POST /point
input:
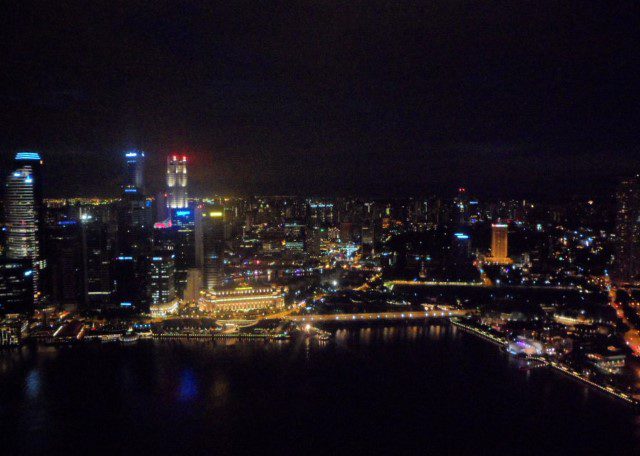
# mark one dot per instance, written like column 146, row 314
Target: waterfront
column 381, row 390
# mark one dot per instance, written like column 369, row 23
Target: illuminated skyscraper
column 499, row 244
column 134, row 177
column 177, row 182
column 24, row 213
column 161, row 283
column 210, row 244
column 627, row 245
column 162, row 266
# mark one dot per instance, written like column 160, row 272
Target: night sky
column 327, row 98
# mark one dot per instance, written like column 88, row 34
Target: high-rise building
column 16, row 286
column 162, row 266
column 98, row 247
column 161, row 278
column 499, row 244
column 130, row 288
column 185, row 251
column 177, row 182
column 210, row 244
column 65, row 263
column 627, row 246
column 24, row 214
column 134, row 176
column 194, row 285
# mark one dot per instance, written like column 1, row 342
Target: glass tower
column 24, row 213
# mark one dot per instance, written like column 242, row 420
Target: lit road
column 372, row 316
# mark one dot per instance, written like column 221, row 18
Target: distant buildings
column 627, row 240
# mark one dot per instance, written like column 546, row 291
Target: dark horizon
column 535, row 100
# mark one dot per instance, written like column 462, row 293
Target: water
column 378, row 390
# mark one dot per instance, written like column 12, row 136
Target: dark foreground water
column 405, row 390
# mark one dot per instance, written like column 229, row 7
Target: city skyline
column 363, row 227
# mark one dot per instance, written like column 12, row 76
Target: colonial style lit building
column 242, row 299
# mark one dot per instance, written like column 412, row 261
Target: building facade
column 627, row 241
column 177, row 182
column 24, row 214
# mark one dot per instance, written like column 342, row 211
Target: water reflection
column 188, row 387
column 33, row 384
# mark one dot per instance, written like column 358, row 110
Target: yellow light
column 215, row 214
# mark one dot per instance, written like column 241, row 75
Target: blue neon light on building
column 28, row 156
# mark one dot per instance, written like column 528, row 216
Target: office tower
column 177, row 182
column 499, row 244
column 461, row 206
column 64, row 258
column 320, row 213
column 210, row 244
column 162, row 278
column 98, row 248
column 16, row 286
column 161, row 208
column 135, row 212
column 461, row 246
column 134, row 174
column 130, row 287
column 194, row 285
column 627, row 245
column 24, row 214
column 294, row 237
column 162, row 265
column 183, row 221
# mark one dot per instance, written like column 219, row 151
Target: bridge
column 377, row 316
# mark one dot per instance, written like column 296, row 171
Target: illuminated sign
column 215, row 214
column 28, row 156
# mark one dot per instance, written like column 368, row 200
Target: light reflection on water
column 187, row 389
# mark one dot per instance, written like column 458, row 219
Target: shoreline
column 558, row 367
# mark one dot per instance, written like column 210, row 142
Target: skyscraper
column 177, row 182
column 210, row 244
column 16, row 286
column 185, row 251
column 65, row 264
column 98, row 246
column 499, row 244
column 134, row 177
column 24, row 213
column 627, row 245
column 162, row 266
